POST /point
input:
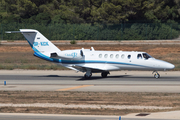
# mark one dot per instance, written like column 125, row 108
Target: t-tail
column 42, row 47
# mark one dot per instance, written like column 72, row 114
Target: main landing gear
column 156, row 75
column 89, row 74
column 104, row 74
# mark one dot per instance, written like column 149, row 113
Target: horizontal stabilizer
column 20, row 32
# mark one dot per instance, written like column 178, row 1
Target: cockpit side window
column 146, row 56
column 139, row 56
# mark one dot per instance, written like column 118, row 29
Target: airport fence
column 124, row 31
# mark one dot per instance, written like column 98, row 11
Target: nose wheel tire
column 156, row 75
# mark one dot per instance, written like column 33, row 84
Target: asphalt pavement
column 119, row 81
column 22, row 116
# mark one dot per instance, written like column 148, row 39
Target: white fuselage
column 115, row 60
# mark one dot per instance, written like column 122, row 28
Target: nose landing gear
column 156, row 75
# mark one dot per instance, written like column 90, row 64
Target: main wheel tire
column 87, row 77
column 104, row 74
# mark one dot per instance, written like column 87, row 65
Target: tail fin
column 41, row 45
column 38, row 42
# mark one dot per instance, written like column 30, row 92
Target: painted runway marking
column 71, row 88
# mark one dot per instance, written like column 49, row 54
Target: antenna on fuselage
column 92, row 49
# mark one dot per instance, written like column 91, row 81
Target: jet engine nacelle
column 68, row 55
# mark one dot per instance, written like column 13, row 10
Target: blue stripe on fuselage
column 40, row 55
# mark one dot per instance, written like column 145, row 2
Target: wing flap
column 84, row 69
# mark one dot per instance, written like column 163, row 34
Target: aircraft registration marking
column 71, row 88
column 41, row 44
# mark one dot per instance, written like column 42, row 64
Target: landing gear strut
column 104, row 74
column 156, row 75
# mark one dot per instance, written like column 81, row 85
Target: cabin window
column 117, row 56
column 106, row 55
column 100, row 55
column 129, row 57
column 122, row 56
column 111, row 56
column 139, row 56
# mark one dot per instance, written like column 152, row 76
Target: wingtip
column 12, row 31
column 8, row 32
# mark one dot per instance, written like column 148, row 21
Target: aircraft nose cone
column 170, row 66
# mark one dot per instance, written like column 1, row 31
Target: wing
column 95, row 68
column 84, row 69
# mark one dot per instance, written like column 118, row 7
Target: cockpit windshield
column 146, row 56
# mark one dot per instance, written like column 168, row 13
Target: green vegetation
column 92, row 19
column 73, row 42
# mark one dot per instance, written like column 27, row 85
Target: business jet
column 92, row 61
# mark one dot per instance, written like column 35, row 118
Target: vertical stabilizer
column 38, row 42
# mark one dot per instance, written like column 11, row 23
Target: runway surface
column 120, row 81
column 19, row 116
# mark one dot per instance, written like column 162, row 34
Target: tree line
column 95, row 19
